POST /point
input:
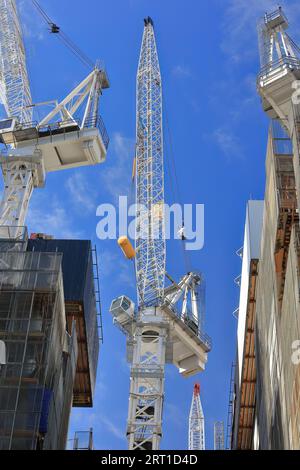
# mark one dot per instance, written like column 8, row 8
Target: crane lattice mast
column 196, row 422
column 14, row 84
column 147, row 372
column 150, row 241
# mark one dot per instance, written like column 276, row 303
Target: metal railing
column 22, row 131
column 275, row 14
column 190, row 323
column 13, row 233
column 285, row 62
column 99, row 124
column 97, row 293
column 83, row 440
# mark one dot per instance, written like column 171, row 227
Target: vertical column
column 147, row 387
column 18, row 187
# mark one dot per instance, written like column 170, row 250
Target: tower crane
column 196, row 422
column 157, row 331
column 278, row 79
column 72, row 134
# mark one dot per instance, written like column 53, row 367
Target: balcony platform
column 63, row 145
column 274, row 84
column 189, row 348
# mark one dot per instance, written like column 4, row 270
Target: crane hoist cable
column 296, row 47
column 55, row 29
column 175, row 187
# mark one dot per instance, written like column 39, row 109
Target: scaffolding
column 39, row 353
column 244, row 405
column 82, row 304
column 282, row 151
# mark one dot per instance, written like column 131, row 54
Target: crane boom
column 150, row 241
column 14, row 84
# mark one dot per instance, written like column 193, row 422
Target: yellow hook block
column 126, row 247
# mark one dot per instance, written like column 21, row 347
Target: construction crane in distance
column 219, row 436
column 196, row 422
column 166, row 326
column 72, row 134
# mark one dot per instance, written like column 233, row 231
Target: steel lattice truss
column 151, row 331
column 219, row 440
column 19, row 183
column 150, row 242
column 275, row 46
column 14, row 85
column 144, row 427
column 196, row 422
column 149, row 337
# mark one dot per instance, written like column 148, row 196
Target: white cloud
column 175, row 415
column 52, row 218
column 181, row 71
column 83, row 419
column 228, row 143
column 33, row 26
column 116, row 175
column 113, row 263
column 240, row 25
column 82, row 193
column 111, row 427
column 235, row 95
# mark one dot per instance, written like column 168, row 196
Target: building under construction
column 48, row 324
column 267, row 398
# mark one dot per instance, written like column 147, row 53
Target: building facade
column 82, row 305
column 49, row 355
column 245, row 369
column 267, row 385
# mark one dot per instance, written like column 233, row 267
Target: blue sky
column 209, row 59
